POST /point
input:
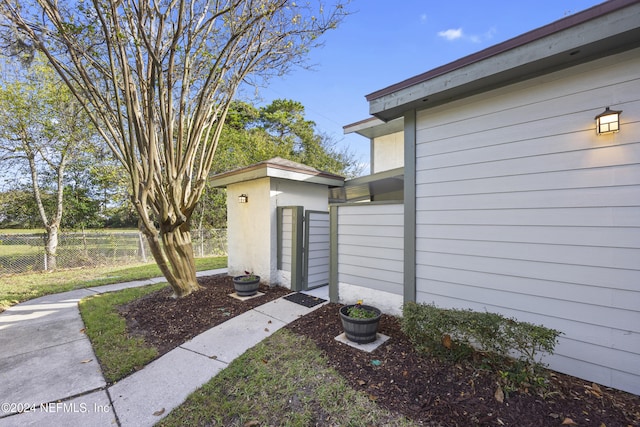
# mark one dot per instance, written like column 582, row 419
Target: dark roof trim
column 554, row 27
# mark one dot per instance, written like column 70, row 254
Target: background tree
column 254, row 134
column 18, row 209
column 157, row 79
column 42, row 130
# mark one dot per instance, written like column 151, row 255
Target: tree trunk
column 51, row 247
column 175, row 258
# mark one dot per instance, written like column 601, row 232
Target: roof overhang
column 374, row 127
column 606, row 29
column 277, row 168
column 367, row 187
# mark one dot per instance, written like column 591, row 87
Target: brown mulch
column 165, row 322
column 395, row 376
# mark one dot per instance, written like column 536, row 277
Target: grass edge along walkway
column 18, row 288
column 284, row 380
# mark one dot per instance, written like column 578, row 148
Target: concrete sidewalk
column 48, row 370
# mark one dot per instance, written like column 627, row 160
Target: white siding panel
column 574, row 198
column 368, row 242
column 497, row 300
column 575, row 292
column 589, row 217
column 578, row 86
column 380, row 230
column 368, row 209
column 371, row 283
column 371, row 246
column 602, row 356
column 375, row 274
column 619, row 258
column 488, row 141
column 557, row 180
column 287, row 238
column 317, row 268
column 373, row 253
column 621, row 237
column 595, row 157
column 384, row 264
column 585, row 275
column 594, row 334
column 522, row 209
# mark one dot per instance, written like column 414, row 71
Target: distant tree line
column 93, row 190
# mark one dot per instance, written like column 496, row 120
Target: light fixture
column 243, row 198
column 608, row 121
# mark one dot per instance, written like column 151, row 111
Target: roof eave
column 271, row 169
column 374, row 127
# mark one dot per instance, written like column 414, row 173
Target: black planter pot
column 246, row 287
column 361, row 331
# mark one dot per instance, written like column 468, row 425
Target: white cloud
column 455, row 34
column 451, row 34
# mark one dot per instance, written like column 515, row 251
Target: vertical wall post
column 297, row 248
column 410, row 206
column 333, row 254
column 279, row 212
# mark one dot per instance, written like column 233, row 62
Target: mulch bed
column 395, row 376
column 166, row 322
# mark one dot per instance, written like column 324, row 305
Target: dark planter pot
column 361, row 331
column 245, row 287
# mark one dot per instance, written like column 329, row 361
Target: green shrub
column 509, row 347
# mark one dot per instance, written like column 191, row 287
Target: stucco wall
column 388, row 152
column 252, row 226
column 249, row 230
column 522, row 209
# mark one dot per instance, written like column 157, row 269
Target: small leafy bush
column 510, row 347
column 359, row 311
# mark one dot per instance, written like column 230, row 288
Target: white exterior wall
column 249, row 232
column 522, row 209
column 388, row 152
column 292, row 193
column 252, row 226
column 371, row 255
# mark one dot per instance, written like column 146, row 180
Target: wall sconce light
column 608, row 121
column 243, row 198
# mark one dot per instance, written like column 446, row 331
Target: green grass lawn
column 286, row 381
column 119, row 354
column 89, row 230
column 22, row 287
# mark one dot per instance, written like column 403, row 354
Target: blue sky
column 384, row 42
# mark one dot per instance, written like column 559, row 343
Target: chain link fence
column 20, row 253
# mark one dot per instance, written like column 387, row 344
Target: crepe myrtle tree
column 157, row 78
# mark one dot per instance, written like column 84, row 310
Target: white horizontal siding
column 371, row 246
column 556, row 272
column 317, row 269
column 287, row 239
column 522, row 209
column 589, row 217
column 621, row 237
column 615, row 258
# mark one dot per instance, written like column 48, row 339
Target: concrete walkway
column 49, row 373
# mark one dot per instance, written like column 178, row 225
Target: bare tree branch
column 157, row 78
